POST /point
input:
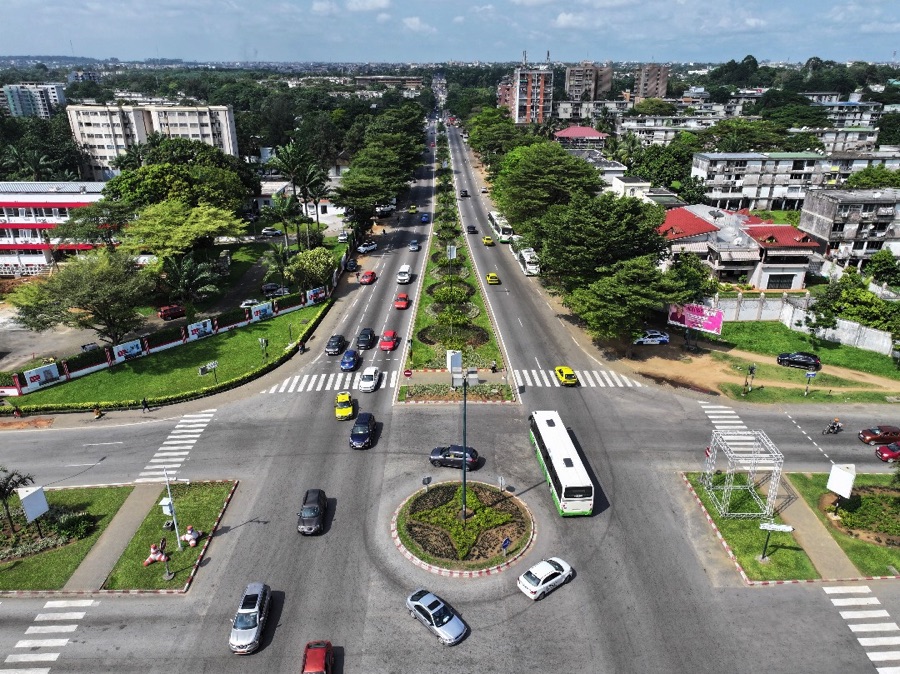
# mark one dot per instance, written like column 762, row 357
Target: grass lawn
column 175, row 370
column 197, row 504
column 771, row 338
column 778, row 373
column 787, row 560
column 50, row 570
column 869, row 558
column 776, row 394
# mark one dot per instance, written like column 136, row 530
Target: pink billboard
column 696, row 317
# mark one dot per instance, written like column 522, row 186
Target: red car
column 318, row 658
column 879, row 435
column 367, row 278
column 402, row 301
column 389, row 341
column 888, row 453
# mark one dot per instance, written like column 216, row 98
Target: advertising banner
column 128, row 350
column 696, row 317
column 200, row 330
column 261, row 312
column 41, row 376
column 317, row 295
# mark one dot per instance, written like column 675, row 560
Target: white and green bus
column 502, row 231
column 570, row 484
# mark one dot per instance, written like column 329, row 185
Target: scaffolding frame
column 750, row 452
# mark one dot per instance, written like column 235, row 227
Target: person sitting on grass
column 192, row 536
column 156, row 555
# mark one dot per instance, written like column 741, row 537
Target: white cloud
column 459, row 19
column 880, row 27
column 416, row 25
column 367, row 5
column 383, row 17
column 324, row 8
column 752, row 22
column 482, row 9
column 532, row 3
column 569, row 20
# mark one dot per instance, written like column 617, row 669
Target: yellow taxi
column 492, row 279
column 343, row 406
column 566, row 376
column 487, row 241
column 413, row 209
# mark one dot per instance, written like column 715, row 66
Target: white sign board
column 34, row 502
column 454, row 360
column 771, row 526
column 841, row 479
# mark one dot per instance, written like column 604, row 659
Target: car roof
column 542, row 569
column 370, row 370
column 312, row 495
column 342, row 395
column 884, row 428
column 315, row 656
column 363, row 417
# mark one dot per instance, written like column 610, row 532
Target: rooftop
column 779, row 236
column 681, row 223
column 580, row 132
column 51, row 188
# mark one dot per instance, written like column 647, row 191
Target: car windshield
column 531, row 579
column 309, row 511
column 368, row 377
column 578, row 492
column 555, row 565
column 442, row 616
column 343, row 404
column 360, row 429
column 246, row 621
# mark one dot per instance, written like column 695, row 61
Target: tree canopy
column 171, row 228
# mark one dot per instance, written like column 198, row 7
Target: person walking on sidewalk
column 144, row 406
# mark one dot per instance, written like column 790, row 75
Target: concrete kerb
column 767, row 583
column 452, row 573
column 114, row 593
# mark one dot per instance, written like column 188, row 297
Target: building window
column 780, row 282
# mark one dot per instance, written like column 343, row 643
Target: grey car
column 429, row 610
column 311, row 518
column 250, row 620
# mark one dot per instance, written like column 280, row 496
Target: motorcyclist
column 835, row 425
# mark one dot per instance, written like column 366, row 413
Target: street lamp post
column 467, row 380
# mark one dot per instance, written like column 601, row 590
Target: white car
column 271, row 231
column 368, row 382
column 367, row 247
column 543, row 577
column 343, row 237
column 246, row 304
column 414, row 245
column 653, row 337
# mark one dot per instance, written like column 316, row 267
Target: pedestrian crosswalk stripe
column 527, row 378
column 544, row 377
column 294, row 384
column 393, row 378
column 585, row 376
column 847, row 589
column 609, row 382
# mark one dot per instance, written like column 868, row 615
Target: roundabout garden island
column 431, row 527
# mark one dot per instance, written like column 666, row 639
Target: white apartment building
column 532, row 95
column 847, row 139
column 107, row 131
column 34, row 99
column 662, row 130
column 588, row 111
column 778, row 180
column 851, row 113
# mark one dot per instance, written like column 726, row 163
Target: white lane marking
column 606, row 377
column 32, row 657
column 100, row 444
column 882, row 656
column 273, row 389
column 860, row 615
column 393, row 378
column 874, row 627
column 166, row 452
column 527, row 378
column 294, row 383
column 847, row 589
column 857, row 601
column 180, row 442
column 41, row 643
column 616, row 377
column 284, row 385
column 544, row 377
column 50, row 629
column 148, row 473
column 587, row 377
column 517, row 378
column 626, row 380
column 879, row 641
column 600, row 381
column 328, row 385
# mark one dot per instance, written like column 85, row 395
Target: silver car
column 250, row 620
column 368, row 382
column 429, row 610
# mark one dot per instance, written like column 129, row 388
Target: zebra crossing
column 590, row 378
column 334, row 381
column 176, row 447
column 46, row 647
column 723, row 418
column 876, row 629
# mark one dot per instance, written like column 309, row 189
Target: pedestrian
column 144, row 406
column 357, row 277
column 493, row 366
column 17, row 413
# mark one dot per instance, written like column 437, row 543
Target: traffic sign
column 810, row 375
column 771, row 526
column 407, row 373
column 506, row 543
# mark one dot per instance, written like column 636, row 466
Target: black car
column 452, row 457
column 464, row 193
column 808, row 361
column 267, row 288
column 352, row 264
column 366, row 339
column 471, row 229
column 363, row 432
column 335, row 345
column 312, row 512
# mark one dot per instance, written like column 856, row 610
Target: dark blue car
column 349, row 361
column 425, row 217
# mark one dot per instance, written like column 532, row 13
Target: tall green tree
column 98, row 223
column 883, row 267
column 10, row 481
column 172, row 228
column 692, row 276
column 100, row 292
column 311, row 268
column 873, row 178
column 290, row 161
column 188, row 281
column 889, row 129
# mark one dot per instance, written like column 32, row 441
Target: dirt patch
column 25, row 424
column 872, row 503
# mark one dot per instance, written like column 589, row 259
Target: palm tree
column 309, row 179
column 276, row 261
column 283, row 211
column 10, row 480
column 134, row 157
column 289, row 160
column 30, row 164
column 189, row 281
column 317, row 194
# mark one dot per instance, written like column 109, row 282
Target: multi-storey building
column 662, row 130
column 83, row 76
column 778, row 180
column 587, row 80
column 34, row 99
column 29, row 211
column 505, row 94
column 581, row 137
column 851, row 113
column 853, row 224
column 107, row 131
column 588, row 111
column 650, row 81
column 851, row 138
column 822, row 96
column 532, row 95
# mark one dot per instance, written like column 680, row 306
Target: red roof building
column 581, row 136
column 681, row 223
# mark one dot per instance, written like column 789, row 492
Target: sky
column 427, row 31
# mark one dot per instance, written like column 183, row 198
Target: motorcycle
column 833, row 429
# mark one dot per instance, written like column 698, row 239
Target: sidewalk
column 94, row 569
column 813, row 536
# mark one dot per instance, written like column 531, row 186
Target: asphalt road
column 654, row 591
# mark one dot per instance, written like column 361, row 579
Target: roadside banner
column 41, row 376
column 200, row 330
column 697, row 317
column 128, row 350
column 317, row 295
column 260, row 312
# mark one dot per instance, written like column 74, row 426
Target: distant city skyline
column 422, row 32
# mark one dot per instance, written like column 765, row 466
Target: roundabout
column 428, row 529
